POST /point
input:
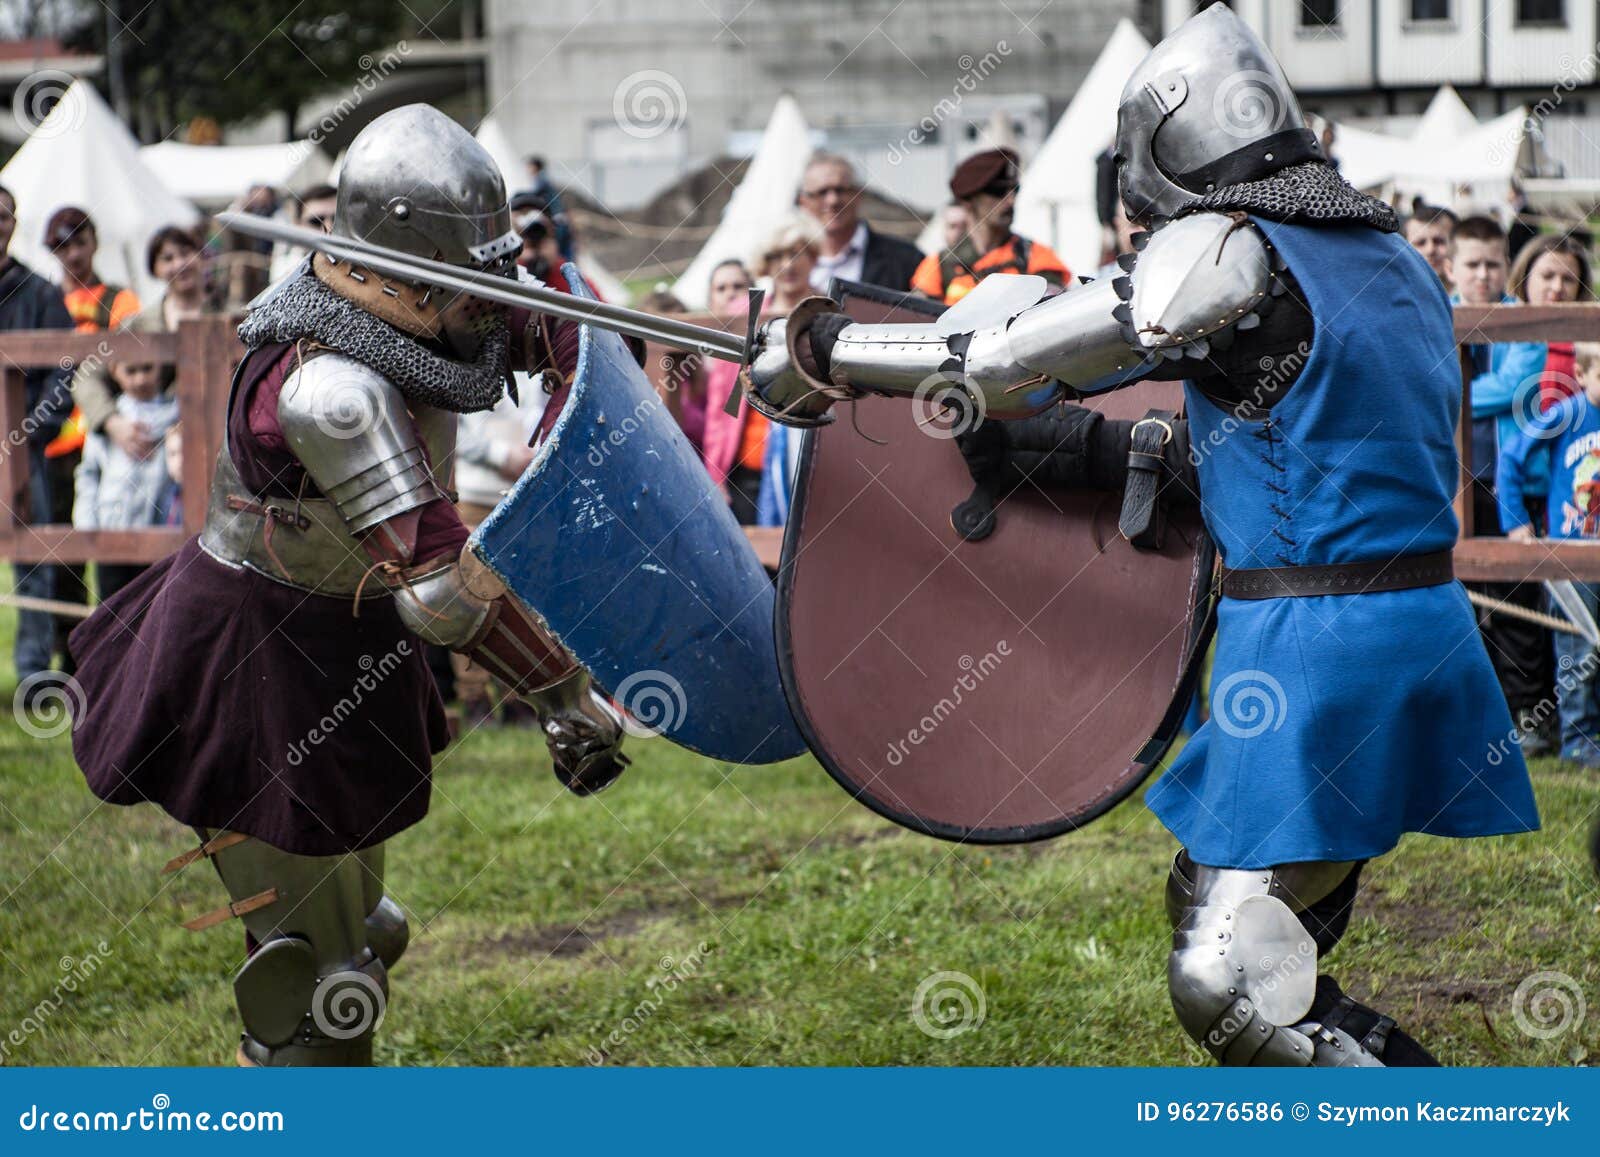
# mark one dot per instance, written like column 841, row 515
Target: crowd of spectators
column 104, row 443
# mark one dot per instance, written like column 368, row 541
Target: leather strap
column 1401, row 573
column 233, row 910
column 210, row 848
column 1142, row 522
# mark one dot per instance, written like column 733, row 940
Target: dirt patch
column 1415, row 918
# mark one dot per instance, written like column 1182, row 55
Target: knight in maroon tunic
column 266, row 683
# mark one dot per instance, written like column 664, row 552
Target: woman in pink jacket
column 734, row 444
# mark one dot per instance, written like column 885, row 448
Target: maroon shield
column 997, row 691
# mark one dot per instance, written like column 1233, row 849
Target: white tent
column 495, row 142
column 760, row 203
column 82, row 155
column 1447, row 155
column 214, row 175
column 1056, row 204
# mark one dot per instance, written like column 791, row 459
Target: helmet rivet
column 402, row 211
column 1269, row 156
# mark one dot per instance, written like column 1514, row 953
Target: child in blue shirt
column 1568, row 436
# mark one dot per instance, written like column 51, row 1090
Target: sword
column 728, row 347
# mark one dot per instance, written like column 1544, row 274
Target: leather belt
column 1351, row 578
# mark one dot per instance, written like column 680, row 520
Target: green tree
column 182, row 59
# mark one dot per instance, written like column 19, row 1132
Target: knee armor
column 1243, row 969
column 315, row 987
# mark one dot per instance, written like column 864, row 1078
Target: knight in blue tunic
column 1352, row 699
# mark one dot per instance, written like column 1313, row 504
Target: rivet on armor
column 1269, row 156
column 402, row 211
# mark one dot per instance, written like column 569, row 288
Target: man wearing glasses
column 830, row 193
column 986, row 184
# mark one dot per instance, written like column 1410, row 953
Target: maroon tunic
column 237, row 702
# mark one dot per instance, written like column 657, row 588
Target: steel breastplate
column 303, row 544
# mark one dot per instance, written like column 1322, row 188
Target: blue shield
column 618, row 539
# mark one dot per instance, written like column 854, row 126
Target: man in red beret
column 986, row 184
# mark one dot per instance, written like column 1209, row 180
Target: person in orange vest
column 986, row 184
column 93, row 305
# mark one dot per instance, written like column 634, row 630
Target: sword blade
column 1565, row 595
column 406, row 267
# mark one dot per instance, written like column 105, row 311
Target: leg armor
column 1243, row 969
column 388, row 933
column 315, row 985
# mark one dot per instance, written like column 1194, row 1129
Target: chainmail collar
column 303, row 307
column 1312, row 193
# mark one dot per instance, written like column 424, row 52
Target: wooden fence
column 203, row 353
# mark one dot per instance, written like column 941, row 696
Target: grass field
column 553, row 930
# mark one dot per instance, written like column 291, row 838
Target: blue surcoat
column 1339, row 722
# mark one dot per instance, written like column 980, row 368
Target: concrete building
column 1370, row 58
column 623, row 96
